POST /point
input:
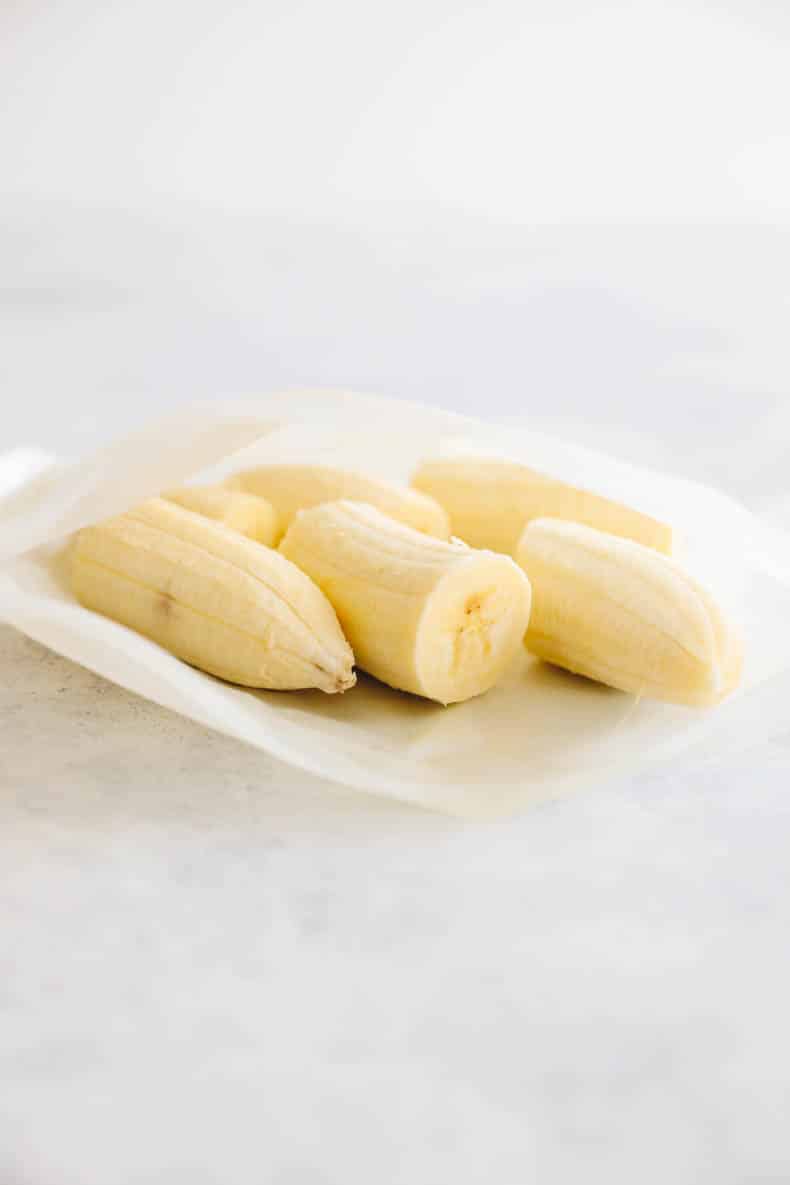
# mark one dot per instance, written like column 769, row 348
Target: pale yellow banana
column 490, row 502
column 213, row 598
column 251, row 516
column 624, row 615
column 297, row 487
column 423, row 615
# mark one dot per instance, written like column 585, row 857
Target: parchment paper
column 539, row 734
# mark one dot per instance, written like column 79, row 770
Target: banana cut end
column 423, row 615
column 472, row 627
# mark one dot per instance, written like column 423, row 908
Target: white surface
column 216, row 969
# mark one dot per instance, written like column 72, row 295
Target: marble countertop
column 218, row 969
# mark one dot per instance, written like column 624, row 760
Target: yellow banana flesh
column 430, row 617
column 213, row 598
column 298, row 487
column 490, row 502
column 622, row 614
column 245, row 513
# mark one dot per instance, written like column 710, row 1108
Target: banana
column 297, row 487
column 423, row 615
column 250, row 516
column 490, row 501
column 213, row 598
column 622, row 614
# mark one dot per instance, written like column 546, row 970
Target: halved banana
column 213, row 598
column 245, row 513
column 490, row 502
column 297, row 487
column 423, row 615
column 624, row 615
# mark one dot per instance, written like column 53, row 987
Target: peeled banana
column 423, row 615
column 490, row 502
column 213, row 598
column 245, row 513
column 624, row 615
column 297, row 487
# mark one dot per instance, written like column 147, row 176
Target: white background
column 512, row 110
column 216, row 969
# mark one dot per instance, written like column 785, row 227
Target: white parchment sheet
column 540, row 733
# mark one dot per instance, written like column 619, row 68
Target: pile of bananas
column 289, row 576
